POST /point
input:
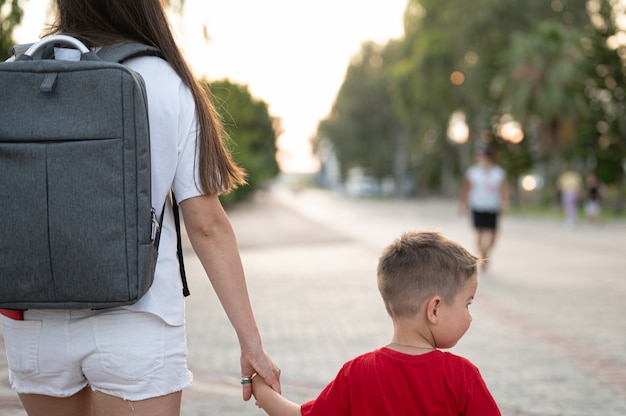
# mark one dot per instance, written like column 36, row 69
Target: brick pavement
column 549, row 332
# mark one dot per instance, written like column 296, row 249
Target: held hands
column 260, row 365
column 260, row 390
column 273, row 403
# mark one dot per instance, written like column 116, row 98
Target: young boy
column 427, row 283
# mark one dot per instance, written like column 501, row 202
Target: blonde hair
column 419, row 265
column 98, row 23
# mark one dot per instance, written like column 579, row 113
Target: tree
column 543, row 84
column 10, row 17
column 603, row 140
column 253, row 132
column 454, row 50
column 360, row 124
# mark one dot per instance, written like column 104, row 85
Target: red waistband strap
column 13, row 314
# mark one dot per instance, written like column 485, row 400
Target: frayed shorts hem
column 138, row 397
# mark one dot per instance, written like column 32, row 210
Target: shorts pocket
column 21, row 340
column 129, row 345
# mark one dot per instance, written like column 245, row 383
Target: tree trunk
column 400, row 163
column 619, row 206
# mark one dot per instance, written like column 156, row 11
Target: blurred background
column 393, row 98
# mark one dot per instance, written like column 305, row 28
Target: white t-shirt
column 486, row 185
column 173, row 144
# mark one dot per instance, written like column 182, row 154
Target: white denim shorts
column 127, row 354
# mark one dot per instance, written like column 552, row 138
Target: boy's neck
column 409, row 349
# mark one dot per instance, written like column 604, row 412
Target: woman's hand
column 261, row 365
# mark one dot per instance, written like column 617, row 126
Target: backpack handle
column 63, row 39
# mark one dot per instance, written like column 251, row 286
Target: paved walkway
column 549, row 330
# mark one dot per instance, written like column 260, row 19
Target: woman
column 114, row 361
column 570, row 186
column 486, row 193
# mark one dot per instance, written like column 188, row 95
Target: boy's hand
column 258, row 385
column 271, row 401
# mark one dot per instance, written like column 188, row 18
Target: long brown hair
column 98, row 23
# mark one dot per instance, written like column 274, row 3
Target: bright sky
column 292, row 54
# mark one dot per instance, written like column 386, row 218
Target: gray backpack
column 77, row 226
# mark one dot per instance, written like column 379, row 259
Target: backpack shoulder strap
column 123, row 51
column 179, row 247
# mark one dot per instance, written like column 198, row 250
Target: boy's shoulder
column 436, row 357
column 363, row 358
column 457, row 360
column 386, row 354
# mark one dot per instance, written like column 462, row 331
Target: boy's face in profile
column 454, row 318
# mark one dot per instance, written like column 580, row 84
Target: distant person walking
column 593, row 209
column 570, row 185
column 485, row 193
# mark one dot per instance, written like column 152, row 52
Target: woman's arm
column 213, row 239
column 464, row 193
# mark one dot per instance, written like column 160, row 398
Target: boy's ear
column 432, row 309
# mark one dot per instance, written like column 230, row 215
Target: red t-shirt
column 386, row 383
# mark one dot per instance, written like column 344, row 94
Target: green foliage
column 484, row 58
column 363, row 97
column 602, row 139
column 543, row 77
column 10, row 16
column 543, row 85
column 253, row 132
